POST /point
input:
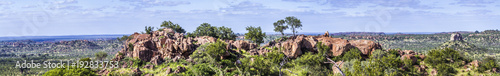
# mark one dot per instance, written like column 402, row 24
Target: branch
column 333, row 62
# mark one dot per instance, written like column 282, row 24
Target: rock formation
column 456, row 37
column 365, row 46
column 169, row 44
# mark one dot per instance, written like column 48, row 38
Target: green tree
column 255, row 34
column 225, row 33
column 176, row 27
column 279, row 27
column 101, row 55
column 291, row 22
column 148, row 29
column 206, row 29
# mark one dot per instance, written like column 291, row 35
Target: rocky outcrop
column 296, row 45
column 365, row 46
column 243, row 45
column 157, row 60
column 337, row 46
column 169, row 44
column 326, row 34
column 144, row 50
column 456, row 37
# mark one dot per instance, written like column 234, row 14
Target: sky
column 93, row 17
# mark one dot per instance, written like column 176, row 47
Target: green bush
column 377, row 54
column 176, row 27
column 130, row 47
column 71, row 71
column 313, row 64
column 323, row 49
column 443, row 56
column 351, row 54
column 445, row 70
column 488, row 64
column 101, row 55
column 216, row 49
column 148, row 29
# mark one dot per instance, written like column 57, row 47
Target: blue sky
column 85, row 17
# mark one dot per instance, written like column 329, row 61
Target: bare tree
column 335, row 65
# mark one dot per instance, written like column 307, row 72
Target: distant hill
column 59, row 38
column 457, row 43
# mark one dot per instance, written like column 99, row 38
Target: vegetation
column 290, row 21
column 148, row 30
column 206, row 29
column 101, row 55
column 488, row 64
column 176, row 27
column 255, row 34
column 71, row 71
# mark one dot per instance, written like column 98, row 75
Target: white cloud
column 63, row 2
column 5, row 3
column 474, row 3
column 478, row 12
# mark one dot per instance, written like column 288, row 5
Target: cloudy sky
column 86, row 17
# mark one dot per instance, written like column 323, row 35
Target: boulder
column 411, row 57
column 291, row 48
column 326, row 34
column 309, row 43
column 137, row 72
column 204, row 39
column 365, row 46
column 168, row 70
column 180, row 69
column 157, row 60
column 409, row 52
column 142, row 52
column 474, row 63
column 148, row 66
column 241, row 45
column 338, row 46
column 103, row 72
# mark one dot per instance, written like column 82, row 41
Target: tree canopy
column 176, row 27
column 206, row 29
column 290, row 21
column 255, row 34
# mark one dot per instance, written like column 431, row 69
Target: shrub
column 443, row 56
column 377, row 54
column 216, row 49
column 176, row 27
column 130, row 47
column 71, row 71
column 101, row 55
column 445, row 70
column 351, row 54
column 148, row 30
column 488, row 64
